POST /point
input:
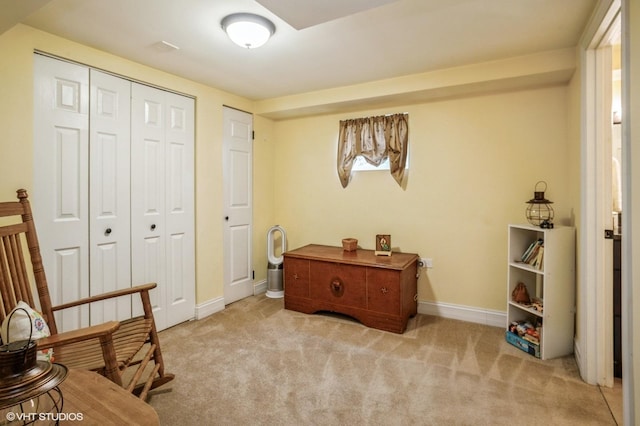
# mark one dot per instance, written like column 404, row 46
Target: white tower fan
column 275, row 289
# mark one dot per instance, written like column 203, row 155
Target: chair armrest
column 104, row 296
column 80, row 335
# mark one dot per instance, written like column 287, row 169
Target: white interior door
column 238, row 204
column 60, row 185
column 109, row 210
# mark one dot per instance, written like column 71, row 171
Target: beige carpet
column 256, row 363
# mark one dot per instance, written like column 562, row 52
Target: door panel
column 238, row 208
column 163, row 212
column 180, row 208
column 109, row 192
column 240, row 241
column 147, row 201
column 60, row 185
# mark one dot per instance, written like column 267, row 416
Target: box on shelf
column 524, row 345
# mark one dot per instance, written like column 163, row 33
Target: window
column 361, row 165
column 375, row 140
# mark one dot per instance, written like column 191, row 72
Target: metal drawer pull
column 336, row 287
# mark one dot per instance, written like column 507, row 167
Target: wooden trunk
column 379, row 291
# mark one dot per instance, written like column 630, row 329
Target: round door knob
column 226, row 218
column 107, row 231
column 153, row 227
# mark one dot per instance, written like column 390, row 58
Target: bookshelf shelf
column 526, row 267
column 527, row 308
column 550, row 282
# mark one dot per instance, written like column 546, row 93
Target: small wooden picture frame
column 383, row 245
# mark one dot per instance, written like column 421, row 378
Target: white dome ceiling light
column 248, row 30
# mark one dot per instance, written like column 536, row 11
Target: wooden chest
column 379, row 291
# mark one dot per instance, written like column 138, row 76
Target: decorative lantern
column 539, row 211
column 29, row 390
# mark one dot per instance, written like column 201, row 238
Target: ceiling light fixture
column 248, row 30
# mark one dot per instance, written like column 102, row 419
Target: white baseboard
column 209, row 307
column 259, row 287
column 463, row 313
column 212, row 306
column 444, row 310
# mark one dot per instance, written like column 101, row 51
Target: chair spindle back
column 17, row 231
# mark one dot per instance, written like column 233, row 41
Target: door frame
column 594, row 350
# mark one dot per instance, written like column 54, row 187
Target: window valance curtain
column 375, row 138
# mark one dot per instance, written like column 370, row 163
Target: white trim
column 259, row 287
column 464, row 313
column 209, row 307
column 596, row 336
column 443, row 310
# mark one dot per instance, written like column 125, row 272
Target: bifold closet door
column 109, row 193
column 61, row 179
column 81, row 187
column 113, row 193
column 162, row 201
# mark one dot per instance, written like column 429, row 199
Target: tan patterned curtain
column 375, row 138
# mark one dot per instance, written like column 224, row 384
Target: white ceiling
column 337, row 43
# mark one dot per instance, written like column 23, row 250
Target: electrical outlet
column 425, row 262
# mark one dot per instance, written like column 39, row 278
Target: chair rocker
column 126, row 352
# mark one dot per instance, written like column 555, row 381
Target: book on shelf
column 534, row 254
column 537, row 262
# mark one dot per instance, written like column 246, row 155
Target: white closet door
column 179, row 208
column 147, row 195
column 162, row 204
column 109, row 184
column 114, row 206
column 60, row 186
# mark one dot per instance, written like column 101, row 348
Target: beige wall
column 263, row 199
column 16, row 111
column 474, row 162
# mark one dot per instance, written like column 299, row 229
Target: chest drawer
column 383, row 291
column 338, row 283
column 296, row 277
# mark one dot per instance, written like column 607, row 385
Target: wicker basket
column 349, row 244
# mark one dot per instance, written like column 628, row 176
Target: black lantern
column 539, row 211
column 29, row 391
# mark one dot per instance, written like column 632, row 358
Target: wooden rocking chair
column 109, row 348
